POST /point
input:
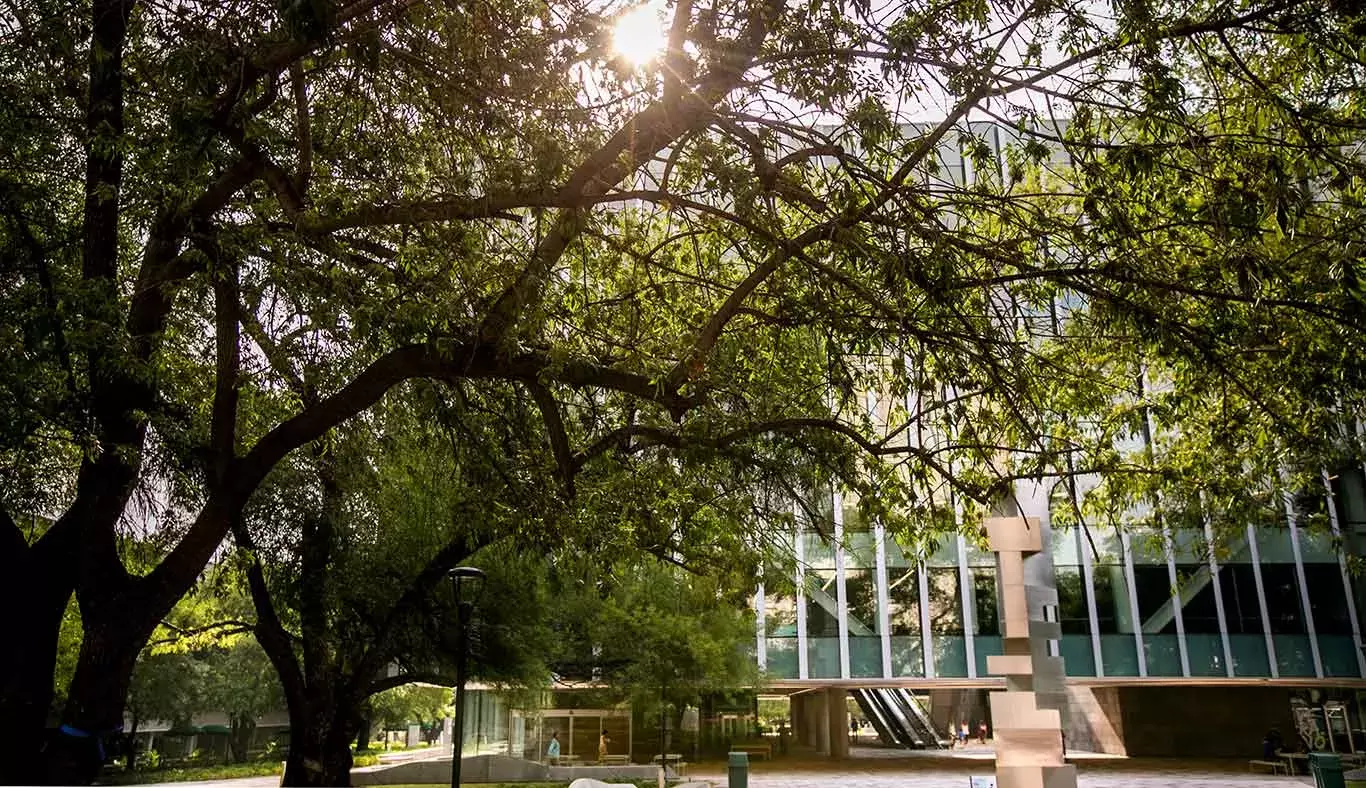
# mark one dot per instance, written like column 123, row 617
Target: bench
column 755, row 749
column 674, row 760
column 1276, row 767
column 617, row 760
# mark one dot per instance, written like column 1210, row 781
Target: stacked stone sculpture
column 1028, row 715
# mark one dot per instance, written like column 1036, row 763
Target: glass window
column 1200, row 613
column 1148, row 547
column 854, row 521
column 903, row 602
column 1072, row 611
column 1064, row 547
column 1273, row 545
column 821, row 604
column 818, row 550
column 1326, row 599
column 1153, row 588
column 985, row 616
column 780, row 616
column 1283, row 605
column 1238, row 585
column 860, row 550
column 945, row 554
column 1349, row 496
column 946, row 602
column 1113, row 614
column 860, row 594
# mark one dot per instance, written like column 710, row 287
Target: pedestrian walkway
column 857, row 775
column 875, row 767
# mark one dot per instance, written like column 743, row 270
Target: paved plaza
column 1109, row 778
column 874, row 767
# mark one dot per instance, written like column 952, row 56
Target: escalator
column 898, row 718
column 888, row 728
column 919, row 719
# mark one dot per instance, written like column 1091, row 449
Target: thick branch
column 555, row 432
column 390, row 682
column 227, row 305
column 303, row 128
column 640, row 140
column 378, row 655
column 450, row 361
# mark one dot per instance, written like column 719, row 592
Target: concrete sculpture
column 1028, row 714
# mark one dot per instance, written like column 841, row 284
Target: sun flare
column 638, row 36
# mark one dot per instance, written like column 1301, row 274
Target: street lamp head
column 467, row 582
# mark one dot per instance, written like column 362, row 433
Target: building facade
column 1272, row 629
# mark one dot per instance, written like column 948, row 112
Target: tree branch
column 391, row 682
column 639, row 140
column 555, row 432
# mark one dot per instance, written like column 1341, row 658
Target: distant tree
column 424, row 704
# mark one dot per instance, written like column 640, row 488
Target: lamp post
column 466, row 582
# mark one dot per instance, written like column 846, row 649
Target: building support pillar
column 837, row 722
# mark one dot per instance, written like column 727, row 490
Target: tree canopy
column 654, row 301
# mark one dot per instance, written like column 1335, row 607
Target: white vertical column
column 967, row 594
column 1256, row 554
column 1170, row 550
column 799, row 549
column 926, row 642
column 1293, row 520
column 1218, row 590
column 884, row 602
column 841, row 600
column 1133, row 603
column 1088, row 579
column 1338, row 538
column 761, row 641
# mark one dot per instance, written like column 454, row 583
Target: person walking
column 552, row 750
column 603, row 741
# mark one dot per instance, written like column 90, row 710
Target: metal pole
column 458, row 735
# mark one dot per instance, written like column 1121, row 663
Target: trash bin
column 1327, row 770
column 739, row 770
column 1355, row 778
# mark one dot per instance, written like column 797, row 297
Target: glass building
column 1132, row 604
column 1168, row 650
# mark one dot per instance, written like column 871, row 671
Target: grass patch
column 190, row 773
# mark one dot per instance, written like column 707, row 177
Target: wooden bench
column 1276, row 767
column 756, row 749
column 617, row 760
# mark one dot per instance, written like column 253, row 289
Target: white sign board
column 982, row 782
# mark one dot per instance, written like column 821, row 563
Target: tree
column 680, row 261
column 424, row 704
column 668, row 638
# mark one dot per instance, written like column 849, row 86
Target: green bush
column 195, row 773
column 364, row 760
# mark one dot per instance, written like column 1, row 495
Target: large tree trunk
column 321, row 756
column 32, row 624
column 93, row 718
column 239, row 740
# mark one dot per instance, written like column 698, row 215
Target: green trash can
column 739, row 770
column 1327, row 770
column 1355, row 778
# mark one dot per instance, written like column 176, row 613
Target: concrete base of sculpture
column 1036, row 777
